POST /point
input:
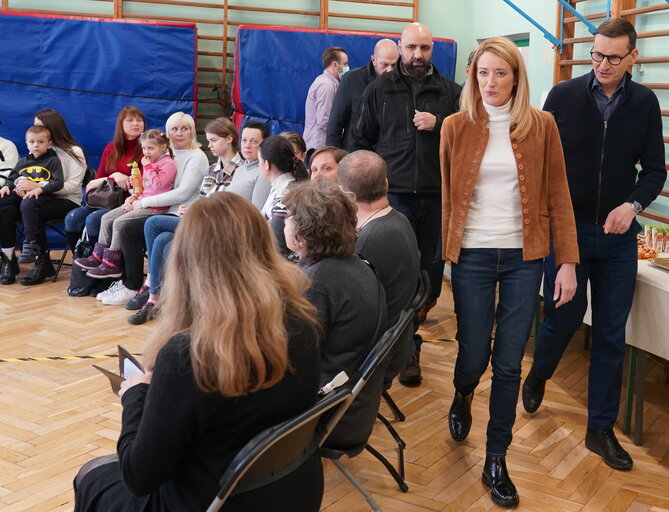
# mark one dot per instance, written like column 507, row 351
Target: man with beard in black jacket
column 344, row 111
column 400, row 119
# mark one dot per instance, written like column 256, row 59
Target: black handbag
column 82, row 286
column 84, row 247
column 107, row 195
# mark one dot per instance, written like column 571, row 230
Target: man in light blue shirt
column 320, row 96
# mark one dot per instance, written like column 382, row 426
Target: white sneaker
column 114, row 286
column 119, row 297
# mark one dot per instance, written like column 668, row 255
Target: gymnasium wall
column 88, row 70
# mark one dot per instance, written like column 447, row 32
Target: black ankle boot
column 9, row 269
column 43, row 268
column 496, row 478
column 533, row 391
column 460, row 416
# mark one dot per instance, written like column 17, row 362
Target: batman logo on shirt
column 35, row 173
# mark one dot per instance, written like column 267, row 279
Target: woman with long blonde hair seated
column 235, row 352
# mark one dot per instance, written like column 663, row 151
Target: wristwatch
column 636, row 206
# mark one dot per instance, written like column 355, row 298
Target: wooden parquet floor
column 57, row 414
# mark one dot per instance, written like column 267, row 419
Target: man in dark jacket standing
column 400, row 119
column 607, row 124
column 344, row 111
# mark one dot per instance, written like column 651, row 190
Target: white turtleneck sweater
column 495, row 218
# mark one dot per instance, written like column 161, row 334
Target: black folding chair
column 278, row 451
column 58, row 225
column 360, row 380
column 419, row 298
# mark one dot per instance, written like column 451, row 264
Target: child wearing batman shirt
column 21, row 199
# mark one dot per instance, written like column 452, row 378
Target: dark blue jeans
column 424, row 214
column 159, row 233
column 85, row 216
column 475, row 279
column 609, row 262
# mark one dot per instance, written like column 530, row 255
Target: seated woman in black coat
column 320, row 229
column 234, row 353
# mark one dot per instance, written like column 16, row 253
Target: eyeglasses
column 614, row 60
column 253, row 142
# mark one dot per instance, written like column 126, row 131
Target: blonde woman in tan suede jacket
column 505, row 200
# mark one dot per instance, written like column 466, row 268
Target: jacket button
column 523, row 189
column 527, row 231
column 526, row 211
column 527, row 221
column 521, row 166
column 514, row 146
column 521, row 177
column 524, row 200
column 518, row 155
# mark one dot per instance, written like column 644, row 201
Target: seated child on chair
column 159, row 172
column 41, row 166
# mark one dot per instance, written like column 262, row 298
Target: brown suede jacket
column 542, row 180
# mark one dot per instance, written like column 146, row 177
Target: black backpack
column 82, row 286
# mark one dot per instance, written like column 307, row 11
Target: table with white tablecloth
column 648, row 323
column 647, row 332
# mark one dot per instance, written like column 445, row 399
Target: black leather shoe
column 9, row 269
column 42, row 270
column 533, row 391
column 460, row 416
column 410, row 375
column 605, row 444
column 496, row 478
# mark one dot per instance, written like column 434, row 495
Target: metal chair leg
column 393, row 406
column 368, row 497
column 60, row 263
column 400, row 442
column 393, row 472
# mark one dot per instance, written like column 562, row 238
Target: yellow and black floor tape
column 58, row 358
column 440, row 340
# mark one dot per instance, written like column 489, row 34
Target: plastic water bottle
column 135, row 178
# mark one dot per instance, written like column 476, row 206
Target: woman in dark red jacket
column 121, row 151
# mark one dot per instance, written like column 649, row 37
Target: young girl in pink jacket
column 159, row 172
